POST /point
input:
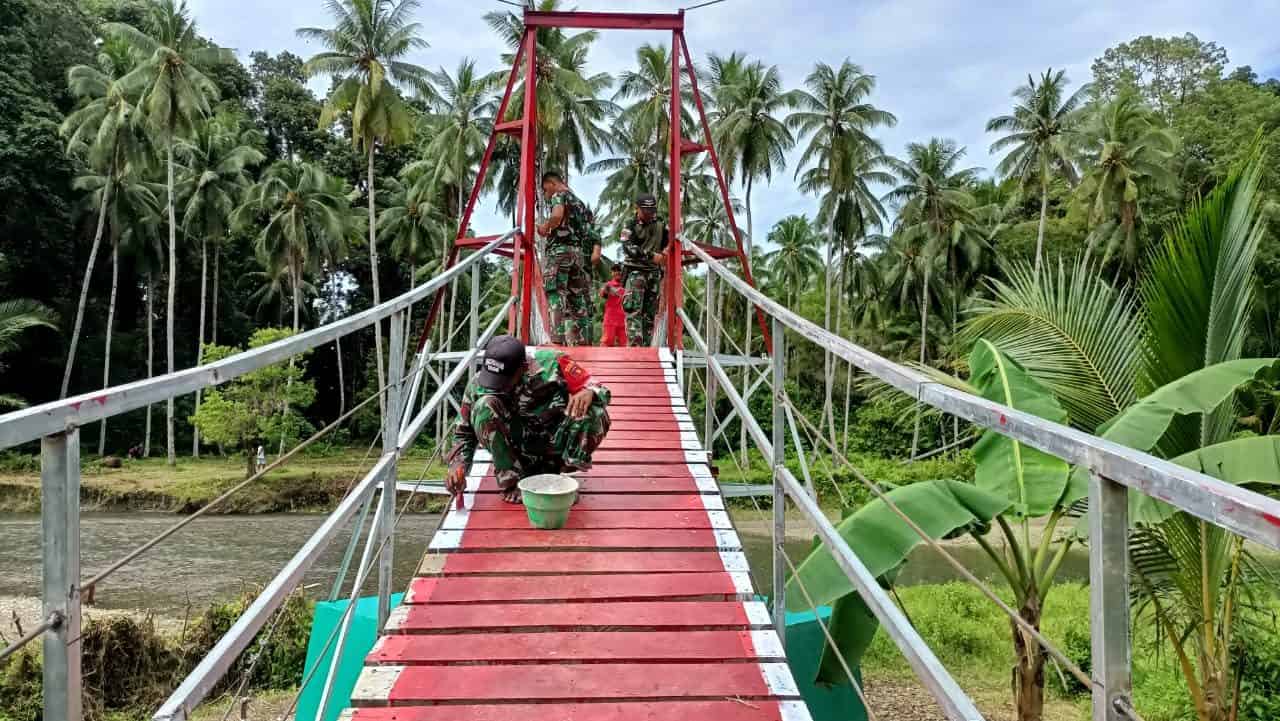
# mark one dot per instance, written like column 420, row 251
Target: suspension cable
column 959, row 567
column 54, row 621
column 128, row 558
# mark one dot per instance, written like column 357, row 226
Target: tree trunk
column 170, row 444
column 828, row 377
column 251, row 466
column 204, row 291
column 213, row 312
column 1028, row 669
column 924, row 340
column 84, row 287
column 1044, row 212
column 106, row 353
column 746, row 336
column 151, row 356
column 377, row 289
column 342, row 385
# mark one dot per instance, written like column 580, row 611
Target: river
column 217, row 557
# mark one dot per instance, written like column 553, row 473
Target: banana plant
column 1014, row 485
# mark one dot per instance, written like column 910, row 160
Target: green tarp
column 360, row 638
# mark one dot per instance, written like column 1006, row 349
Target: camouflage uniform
column 567, row 278
column 643, row 278
column 526, row 429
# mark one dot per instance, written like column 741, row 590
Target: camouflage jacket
column 578, row 228
column 646, row 240
column 537, row 403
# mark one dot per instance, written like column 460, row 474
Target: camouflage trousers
column 641, row 304
column 568, row 287
column 519, row 452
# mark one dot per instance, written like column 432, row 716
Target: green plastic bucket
column 547, row 499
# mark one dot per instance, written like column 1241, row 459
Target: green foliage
column 1032, row 480
column 1258, row 656
column 1165, row 72
column 259, row 405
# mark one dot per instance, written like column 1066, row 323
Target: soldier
column 569, row 231
column 644, row 247
column 534, row 413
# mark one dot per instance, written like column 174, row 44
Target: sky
column 942, row 67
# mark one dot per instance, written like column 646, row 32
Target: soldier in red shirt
column 615, row 319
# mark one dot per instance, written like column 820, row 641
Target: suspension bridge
column 644, row 607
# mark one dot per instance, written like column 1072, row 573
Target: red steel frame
column 525, row 271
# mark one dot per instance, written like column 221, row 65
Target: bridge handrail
column 935, row 677
column 29, row 424
column 215, row 665
column 1241, row 511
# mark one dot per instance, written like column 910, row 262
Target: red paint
column 640, row 413
column 636, row 388
column 621, row 485
column 584, row 520
column 604, row 21
column 673, row 291
column 578, row 683
column 665, row 434
column 591, row 354
column 640, row 457
column 580, row 562
column 632, row 615
column 634, row 540
column 1273, row 520
column 661, row 402
column 1002, row 419
column 636, row 711
column 638, row 444
column 614, row 587
column 604, row 502
column 568, row 647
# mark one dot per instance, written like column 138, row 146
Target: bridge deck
column 640, row 610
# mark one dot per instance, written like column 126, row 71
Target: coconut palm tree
column 459, row 120
column 307, row 219
column 17, row 317
column 571, row 109
column 796, row 260
column 214, row 175
column 102, row 131
column 175, row 97
column 1126, row 150
column 649, row 86
column 367, row 47
column 132, row 221
column 833, row 111
column 1040, row 135
column 631, row 169
column 413, row 222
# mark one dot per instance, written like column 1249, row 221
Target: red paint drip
column 1003, row 420
column 101, row 400
column 1273, row 520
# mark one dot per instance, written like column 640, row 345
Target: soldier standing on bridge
column 644, row 247
column 572, row 245
column 534, row 413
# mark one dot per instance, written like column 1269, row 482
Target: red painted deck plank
column 653, row 389
column 590, row 353
column 665, row 443
column 571, row 562
column 418, row 684
column 640, row 413
column 630, row 375
column 616, row 587
column 624, row 401
column 633, row 615
column 570, row 647
column 581, row 519
column 668, row 433
column 630, row 540
column 639, row 457
column 638, row 425
column 635, row 711
column 588, row 501
column 615, row 483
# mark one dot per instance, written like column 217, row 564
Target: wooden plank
column 609, row 502
column 722, row 586
column 641, row 413
column 397, row 685
column 665, row 443
column 579, row 647
column 633, row 616
column 720, row 710
column 617, row 482
column 589, row 354
column 541, row 563
column 648, row 457
column 656, row 390
column 629, row 540
column 585, row 520
column 663, row 401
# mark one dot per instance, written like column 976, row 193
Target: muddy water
column 212, row 559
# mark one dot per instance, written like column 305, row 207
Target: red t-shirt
column 613, row 313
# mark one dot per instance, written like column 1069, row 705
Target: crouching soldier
column 534, row 412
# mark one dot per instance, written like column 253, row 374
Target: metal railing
column 56, row 425
column 1113, row 470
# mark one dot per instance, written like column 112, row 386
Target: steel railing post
column 779, row 490
column 713, row 335
column 474, row 335
column 60, row 526
column 390, row 440
column 1109, row 597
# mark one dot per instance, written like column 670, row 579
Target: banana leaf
column 1033, row 481
column 1143, row 424
column 882, row 541
column 1253, row 461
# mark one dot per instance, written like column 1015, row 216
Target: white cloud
column 943, row 67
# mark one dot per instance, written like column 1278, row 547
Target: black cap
column 647, row 202
column 504, row 357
